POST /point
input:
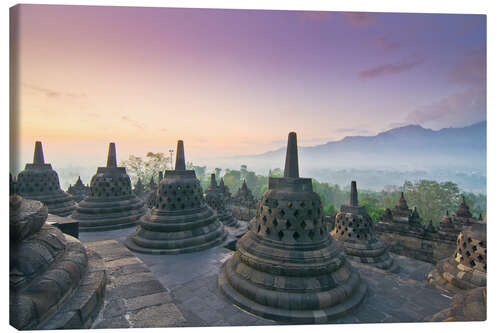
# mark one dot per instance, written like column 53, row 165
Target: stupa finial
column 292, row 157
column 354, row 194
column 111, row 156
column 213, row 182
column 38, row 155
column 180, row 162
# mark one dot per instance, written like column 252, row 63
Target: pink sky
column 232, row 82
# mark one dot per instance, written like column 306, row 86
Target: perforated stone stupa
column 111, row 203
column 354, row 229
column 215, row 198
column 78, row 191
column 287, row 267
column 463, row 217
column 466, row 269
column 55, row 283
column 38, row 181
column 180, row 220
column 139, row 189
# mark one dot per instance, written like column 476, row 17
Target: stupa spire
column 180, row 162
column 213, row 182
column 292, row 157
column 354, row 194
column 111, row 156
column 38, row 155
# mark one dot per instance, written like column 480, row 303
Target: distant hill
column 410, row 147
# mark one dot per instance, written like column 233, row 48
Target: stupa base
column 131, row 245
column 449, row 277
column 106, row 227
column 291, row 316
column 81, row 310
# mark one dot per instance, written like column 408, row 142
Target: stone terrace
column 187, row 292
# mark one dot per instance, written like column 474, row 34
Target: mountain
column 410, row 147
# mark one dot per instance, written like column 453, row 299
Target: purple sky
column 234, row 82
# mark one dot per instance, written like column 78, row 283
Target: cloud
column 361, row 19
column 390, row 69
column 462, row 108
column 353, row 131
column 132, row 122
column 470, row 70
column 385, row 44
column 51, row 93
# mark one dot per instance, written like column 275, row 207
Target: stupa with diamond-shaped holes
column 38, row 181
column 354, row 229
column 180, row 220
column 287, row 267
column 111, row 203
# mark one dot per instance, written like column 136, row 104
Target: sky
column 235, row 82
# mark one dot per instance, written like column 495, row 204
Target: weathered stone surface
column 78, row 191
column 466, row 306
column 354, row 230
column 216, row 199
column 49, row 275
column 466, row 269
column 38, row 181
column 111, row 204
column 287, row 267
column 66, row 224
column 180, row 220
column 134, row 297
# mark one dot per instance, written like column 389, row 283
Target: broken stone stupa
column 466, row 269
column 78, row 191
column 354, row 229
column 38, row 181
column 215, row 198
column 287, row 267
column 55, row 282
column 111, row 203
column 180, row 220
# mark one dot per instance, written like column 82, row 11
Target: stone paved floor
column 191, row 282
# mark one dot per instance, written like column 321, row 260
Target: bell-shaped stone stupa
column 179, row 221
column 215, row 198
column 38, row 181
column 466, row 269
column 55, row 283
column 287, row 267
column 111, row 203
column 78, row 191
column 354, row 229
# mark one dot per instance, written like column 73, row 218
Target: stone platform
column 187, row 292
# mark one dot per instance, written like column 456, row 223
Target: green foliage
column 432, row 198
column 372, row 205
column 145, row 168
column 476, row 203
column 232, row 179
column 330, row 210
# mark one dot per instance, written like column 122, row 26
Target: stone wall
column 415, row 242
column 243, row 213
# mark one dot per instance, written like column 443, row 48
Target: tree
column 145, row 168
column 232, row 179
column 433, row 199
column 372, row 205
